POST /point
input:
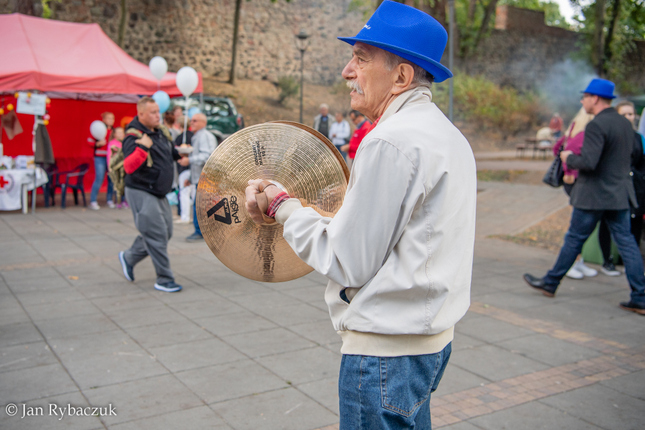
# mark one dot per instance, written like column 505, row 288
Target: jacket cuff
column 286, row 209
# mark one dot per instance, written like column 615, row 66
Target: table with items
column 14, row 185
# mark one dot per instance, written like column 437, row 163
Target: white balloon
column 158, row 67
column 98, row 130
column 187, row 80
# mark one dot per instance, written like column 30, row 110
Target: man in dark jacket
column 149, row 157
column 604, row 189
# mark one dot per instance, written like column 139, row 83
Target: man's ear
column 403, row 78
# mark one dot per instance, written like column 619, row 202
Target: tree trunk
column 610, row 36
column 598, row 42
column 472, row 6
column 124, row 13
column 236, row 29
column 488, row 14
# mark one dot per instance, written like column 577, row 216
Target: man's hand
column 145, row 141
column 564, row 155
column 186, row 182
column 184, row 161
column 100, row 143
column 254, row 209
column 345, row 147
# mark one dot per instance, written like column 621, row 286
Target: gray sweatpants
column 153, row 219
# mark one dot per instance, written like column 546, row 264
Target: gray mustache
column 353, row 85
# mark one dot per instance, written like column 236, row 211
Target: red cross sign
column 3, row 182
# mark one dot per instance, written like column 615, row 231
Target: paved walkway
column 229, row 353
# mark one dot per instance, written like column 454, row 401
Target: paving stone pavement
column 230, row 353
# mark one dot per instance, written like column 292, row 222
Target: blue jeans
column 389, row 393
column 195, row 222
column 582, row 225
column 100, row 168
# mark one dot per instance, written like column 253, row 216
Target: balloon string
column 185, row 120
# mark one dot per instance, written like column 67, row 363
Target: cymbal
column 293, row 156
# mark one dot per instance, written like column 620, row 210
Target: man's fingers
column 251, row 203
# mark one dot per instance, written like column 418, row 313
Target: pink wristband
column 275, row 204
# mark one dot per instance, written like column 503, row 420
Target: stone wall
column 521, row 51
column 198, row 33
column 524, row 52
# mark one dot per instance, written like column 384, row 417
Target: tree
column 611, row 27
column 122, row 19
column 236, row 29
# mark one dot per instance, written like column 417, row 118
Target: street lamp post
column 301, row 44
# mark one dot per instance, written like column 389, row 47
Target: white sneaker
column 94, row 206
column 111, row 204
column 574, row 273
column 584, row 269
column 610, row 270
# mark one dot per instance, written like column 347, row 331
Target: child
column 100, row 163
column 115, row 164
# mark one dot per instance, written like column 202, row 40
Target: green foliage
column 47, row 11
column 489, row 106
column 288, row 86
column 365, row 7
column 623, row 22
column 499, row 175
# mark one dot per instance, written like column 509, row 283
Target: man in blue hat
column 399, row 252
column 604, row 189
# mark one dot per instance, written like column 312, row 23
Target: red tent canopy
column 47, row 55
column 84, row 73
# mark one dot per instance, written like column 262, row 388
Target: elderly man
column 399, row 252
column 603, row 190
column 321, row 121
column 204, row 143
column 149, row 156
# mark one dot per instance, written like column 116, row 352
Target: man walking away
column 604, row 189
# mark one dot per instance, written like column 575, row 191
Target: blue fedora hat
column 601, row 87
column 408, row 33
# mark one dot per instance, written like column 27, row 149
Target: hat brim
column 438, row 70
column 604, row 96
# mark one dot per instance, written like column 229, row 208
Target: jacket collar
column 137, row 124
column 420, row 94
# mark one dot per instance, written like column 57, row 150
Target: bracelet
column 275, row 204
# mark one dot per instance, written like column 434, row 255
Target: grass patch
column 499, row 175
column 547, row 234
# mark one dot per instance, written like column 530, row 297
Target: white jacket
column 341, row 130
column 403, row 239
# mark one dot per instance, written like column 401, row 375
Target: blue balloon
column 162, row 99
column 192, row 111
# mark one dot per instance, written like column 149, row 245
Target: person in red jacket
column 363, row 126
